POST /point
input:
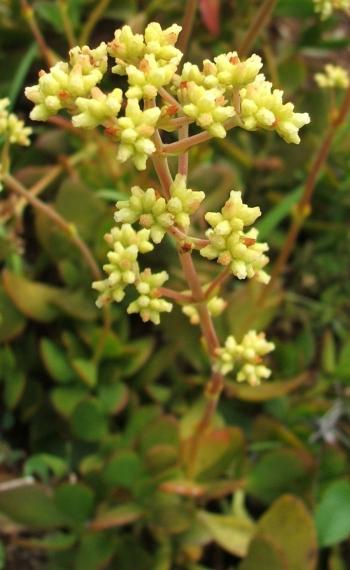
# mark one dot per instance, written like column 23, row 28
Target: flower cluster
column 149, row 61
column 145, row 207
column 99, row 108
column 334, row 76
column 262, row 107
column 231, row 245
column 326, row 7
column 246, row 356
column 227, row 92
column 227, row 72
column 65, row 82
column 216, row 305
column 134, row 131
column 156, row 213
column 11, row 127
column 148, row 304
column 129, row 49
column 207, row 107
column 123, row 268
column 229, row 87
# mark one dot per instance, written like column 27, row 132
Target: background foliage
column 97, row 409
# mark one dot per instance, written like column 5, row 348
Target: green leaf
column 56, row 361
column 81, row 207
column 328, row 352
column 264, row 554
column 95, row 551
column 278, row 213
column 31, row 298
column 288, row 524
column 88, row 420
column 295, row 8
column 43, row 464
column 266, row 391
column 163, row 430
column 113, row 397
column 137, row 354
column 216, row 451
column 2, row 556
column 86, row 370
column 50, row 12
column 124, row 469
column 76, row 501
column 332, row 514
column 56, row 542
column 21, row 72
column 32, row 506
column 12, row 322
column 15, row 384
column 280, row 471
column 76, row 304
column 230, row 532
column 119, row 516
column 64, row 400
column 343, row 367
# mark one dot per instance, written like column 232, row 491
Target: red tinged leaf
column 210, row 11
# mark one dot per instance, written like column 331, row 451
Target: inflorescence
column 227, row 92
column 333, row 77
column 326, row 7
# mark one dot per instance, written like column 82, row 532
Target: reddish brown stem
column 46, row 53
column 15, row 186
column 184, row 238
column 218, row 282
column 182, row 145
column 260, row 21
column 183, row 158
column 176, row 295
column 187, row 24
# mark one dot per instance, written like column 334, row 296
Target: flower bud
column 11, row 127
column 247, row 355
column 134, row 132
column 334, row 76
column 149, row 304
column 263, row 108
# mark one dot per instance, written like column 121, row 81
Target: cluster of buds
column 227, row 92
column 246, row 356
column 333, row 77
column 156, row 213
column 231, row 245
column 149, row 305
column 130, row 49
column 146, row 79
column 11, row 127
column 205, row 95
column 123, row 268
column 262, row 108
column 326, row 7
column 145, row 207
column 216, row 305
column 207, row 107
column 65, row 82
column 227, row 72
column 134, row 131
column 99, row 108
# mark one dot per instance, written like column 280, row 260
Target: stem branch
column 15, row 186
column 260, row 21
